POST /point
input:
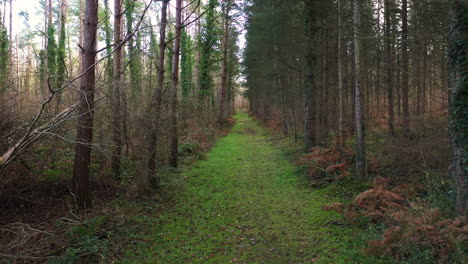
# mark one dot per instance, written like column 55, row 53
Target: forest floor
column 245, row 203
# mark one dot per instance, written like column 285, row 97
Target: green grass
column 246, row 203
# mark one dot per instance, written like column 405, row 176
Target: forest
column 233, row 131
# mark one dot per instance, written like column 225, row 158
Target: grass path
column 244, row 204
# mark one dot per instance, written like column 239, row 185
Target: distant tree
column 134, row 59
column 116, row 85
column 405, row 68
column 224, row 70
column 208, row 39
column 389, row 67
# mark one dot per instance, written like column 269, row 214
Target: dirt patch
column 35, row 215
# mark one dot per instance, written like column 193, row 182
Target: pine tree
column 84, row 135
column 207, row 42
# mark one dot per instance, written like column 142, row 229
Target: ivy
column 134, row 46
column 186, row 64
column 52, row 55
column 4, row 47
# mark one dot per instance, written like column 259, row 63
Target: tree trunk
column 84, row 136
column 309, row 76
column 458, row 128
column 378, row 68
column 174, row 144
column 340, row 80
column 156, row 103
column 80, row 37
column 424, row 80
column 361, row 163
column 116, row 100
column 11, row 73
column 388, row 67
column 224, row 74
column 61, row 53
column 405, row 69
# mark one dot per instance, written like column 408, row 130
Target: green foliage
column 4, row 54
column 53, row 163
column 89, row 227
column 134, row 47
column 186, row 64
column 52, row 55
column 168, row 60
column 208, row 42
column 86, row 242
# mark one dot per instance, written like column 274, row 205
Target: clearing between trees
column 245, row 203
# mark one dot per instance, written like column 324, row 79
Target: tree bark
column 11, row 43
column 224, row 74
column 405, row 69
column 156, row 103
column 309, row 76
column 84, row 137
column 458, row 111
column 340, row 79
column 174, row 144
column 361, row 162
column 116, row 100
column 388, row 64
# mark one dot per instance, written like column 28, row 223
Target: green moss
column 245, row 203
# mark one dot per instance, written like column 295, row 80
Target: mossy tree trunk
column 458, row 125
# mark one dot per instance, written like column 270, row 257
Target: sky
column 32, row 7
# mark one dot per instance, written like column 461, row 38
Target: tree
column 405, row 68
column 174, row 144
column 361, row 162
column 389, row 68
column 224, row 71
column 309, row 74
column 61, row 52
column 84, row 135
column 340, row 77
column 458, row 125
column 208, row 40
column 134, row 62
column 186, row 64
column 116, row 100
column 156, row 104
column 51, row 57
column 4, row 54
